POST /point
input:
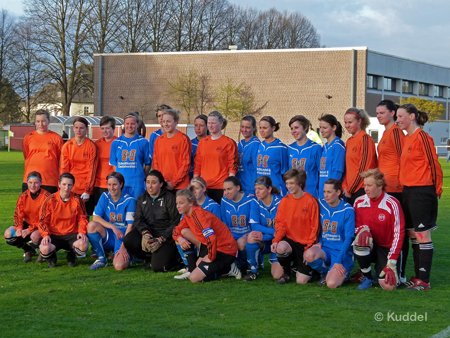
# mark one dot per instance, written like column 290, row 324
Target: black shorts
column 97, row 193
column 298, row 265
column 379, row 256
column 420, row 205
column 221, row 265
column 64, row 242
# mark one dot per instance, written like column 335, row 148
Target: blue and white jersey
column 273, row 161
column 120, row 213
column 236, row 215
column 194, row 143
column 332, row 162
column 307, row 157
column 212, row 206
column 262, row 218
column 129, row 155
column 337, row 228
column 248, row 151
column 151, row 142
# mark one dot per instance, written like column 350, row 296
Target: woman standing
column 421, row 177
column 248, row 151
column 201, row 130
column 273, row 158
column 361, row 154
column 217, row 157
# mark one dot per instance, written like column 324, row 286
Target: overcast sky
column 415, row 29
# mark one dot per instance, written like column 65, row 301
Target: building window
column 389, row 84
column 372, row 82
column 407, row 87
column 423, row 89
column 86, row 110
column 438, row 91
column 374, row 135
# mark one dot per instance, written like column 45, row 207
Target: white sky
column 415, row 29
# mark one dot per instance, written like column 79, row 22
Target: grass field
column 77, row 302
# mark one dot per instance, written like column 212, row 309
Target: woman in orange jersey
column 200, row 228
column 360, row 156
column 421, row 177
column 23, row 234
column 79, row 157
column 42, row 150
column 107, row 126
column 389, row 153
column 296, row 227
column 217, row 157
column 172, row 152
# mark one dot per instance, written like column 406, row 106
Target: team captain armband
column 208, row 232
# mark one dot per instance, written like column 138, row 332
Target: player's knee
column 36, row 237
column 387, row 287
column 80, row 249
column 310, row 255
column 121, row 265
column 333, row 284
column 8, row 233
column 91, row 227
column 423, row 237
column 46, row 251
column 196, row 276
column 302, row 279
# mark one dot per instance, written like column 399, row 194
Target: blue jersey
column 248, row 151
column 212, row 206
column 262, row 218
column 273, row 161
column 307, row 157
column 236, row 215
column 129, row 155
column 337, row 228
column 194, row 143
column 332, row 162
column 151, row 141
column 120, row 213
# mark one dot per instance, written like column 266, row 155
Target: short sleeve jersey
column 120, row 213
column 212, row 206
column 262, row 217
column 236, row 215
column 248, row 151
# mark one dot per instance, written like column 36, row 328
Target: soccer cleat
column 234, row 271
column 250, row 276
column 411, row 282
column 111, row 257
column 185, row 275
column 323, row 280
column 147, row 265
column 184, row 270
column 94, row 256
column 71, row 259
column 29, row 255
column 365, row 284
column 357, row 277
column 52, row 261
column 40, row 259
column 403, row 280
column 419, row 285
column 284, row 279
column 98, row 264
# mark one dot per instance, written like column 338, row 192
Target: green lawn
column 77, row 302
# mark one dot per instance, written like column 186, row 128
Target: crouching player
column 201, row 228
column 113, row 219
column 63, row 224
column 334, row 249
column 296, row 227
column 24, row 234
column 380, row 229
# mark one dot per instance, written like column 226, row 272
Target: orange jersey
column 389, row 153
column 103, row 167
column 27, row 209
column 298, row 219
column 172, row 157
column 215, row 160
column 63, row 218
column 419, row 162
column 209, row 230
column 42, row 153
column 360, row 157
column 81, row 162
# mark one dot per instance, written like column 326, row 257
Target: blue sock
column 318, row 265
column 243, row 259
column 180, row 251
column 261, row 259
column 253, row 251
column 97, row 247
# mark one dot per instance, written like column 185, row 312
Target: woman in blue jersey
column 248, row 151
column 332, row 162
column 201, row 130
column 334, row 250
column 304, row 153
column 262, row 221
column 112, row 220
column 235, row 211
column 273, row 158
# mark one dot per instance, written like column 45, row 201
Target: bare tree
column 135, row 22
column 215, row 24
column 7, row 26
column 160, row 20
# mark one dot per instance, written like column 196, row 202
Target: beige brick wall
column 293, row 82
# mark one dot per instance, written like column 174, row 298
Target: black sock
column 405, row 251
column 425, row 259
column 364, row 263
column 285, row 262
column 416, row 255
column 191, row 258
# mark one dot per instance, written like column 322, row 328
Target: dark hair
column 42, row 112
column 67, row 175
column 133, row 115
column 82, row 120
column 390, row 106
column 420, row 117
column 235, row 181
column 332, row 121
column 298, row 174
column 161, row 107
column 34, row 174
column 252, row 120
column 337, row 185
column 361, row 115
column 204, row 118
column 271, row 121
column 158, row 175
column 189, row 194
column 219, row 115
column 304, row 122
column 108, row 119
column 117, row 176
column 267, row 181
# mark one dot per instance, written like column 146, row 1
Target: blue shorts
column 266, row 249
column 110, row 241
column 134, row 191
column 332, row 257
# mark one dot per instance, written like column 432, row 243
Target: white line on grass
column 443, row 334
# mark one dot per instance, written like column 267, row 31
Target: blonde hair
column 361, row 115
column 377, row 175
